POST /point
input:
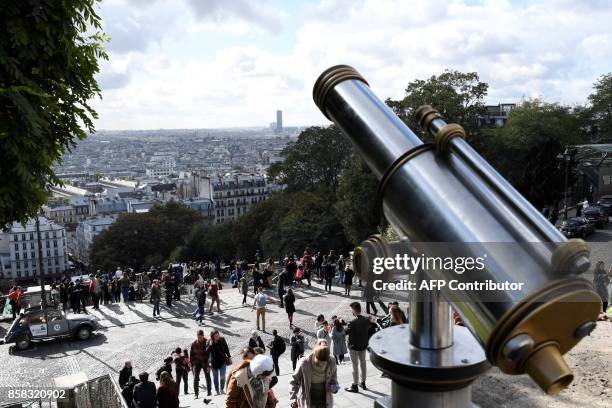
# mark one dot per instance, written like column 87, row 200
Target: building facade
column 24, row 251
column 87, row 231
column 497, row 115
column 235, row 195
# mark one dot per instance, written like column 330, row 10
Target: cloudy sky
column 230, row 63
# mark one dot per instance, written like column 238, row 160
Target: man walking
column 260, row 301
column 280, row 286
column 95, row 290
column 199, row 361
column 357, row 331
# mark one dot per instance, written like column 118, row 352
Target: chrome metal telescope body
column 447, row 193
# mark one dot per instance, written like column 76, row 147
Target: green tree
column 209, row 242
column 601, row 108
column 310, row 221
column 47, row 69
column 315, row 160
column 525, row 151
column 358, row 206
column 139, row 240
column 248, row 229
column 458, row 96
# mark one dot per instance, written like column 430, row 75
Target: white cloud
column 554, row 50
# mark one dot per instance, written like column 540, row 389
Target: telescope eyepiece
column 329, row 79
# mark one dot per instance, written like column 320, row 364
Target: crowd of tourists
column 250, row 381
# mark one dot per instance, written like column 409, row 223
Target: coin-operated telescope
column 446, row 193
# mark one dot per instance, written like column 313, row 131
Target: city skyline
column 213, row 64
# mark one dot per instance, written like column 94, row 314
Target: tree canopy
column 47, row 69
column 139, row 240
column 315, row 160
column 601, row 108
column 458, row 96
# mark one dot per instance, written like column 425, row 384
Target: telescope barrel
column 447, row 193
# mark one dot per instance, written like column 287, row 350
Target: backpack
column 282, row 345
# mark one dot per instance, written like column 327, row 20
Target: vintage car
column 36, row 325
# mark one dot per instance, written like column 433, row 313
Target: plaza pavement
column 131, row 333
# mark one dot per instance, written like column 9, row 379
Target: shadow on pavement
column 47, row 349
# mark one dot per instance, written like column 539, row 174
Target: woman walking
column 315, row 380
column 155, row 297
column 290, row 306
column 601, row 280
column 219, row 357
column 338, row 341
column 244, row 288
column 167, row 396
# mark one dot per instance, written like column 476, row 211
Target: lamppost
column 567, row 156
column 43, row 294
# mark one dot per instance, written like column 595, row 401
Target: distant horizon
column 185, row 64
column 207, row 128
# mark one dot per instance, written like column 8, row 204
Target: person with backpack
column 15, row 297
column 213, row 292
column 297, row 346
column 182, row 368
column 277, row 348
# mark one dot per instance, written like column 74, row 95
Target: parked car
column 36, row 325
column 596, row 215
column 577, row 227
column 605, row 202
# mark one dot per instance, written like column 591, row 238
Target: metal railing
column 100, row 392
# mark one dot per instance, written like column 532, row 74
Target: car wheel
column 23, row 343
column 83, row 333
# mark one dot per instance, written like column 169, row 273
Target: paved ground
column 130, row 333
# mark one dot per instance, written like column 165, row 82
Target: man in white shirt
column 260, row 301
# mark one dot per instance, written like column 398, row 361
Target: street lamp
column 43, row 294
column 567, row 156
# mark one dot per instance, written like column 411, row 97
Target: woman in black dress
column 290, row 306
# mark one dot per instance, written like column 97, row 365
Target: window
column 31, row 235
column 15, row 237
column 47, row 244
column 25, row 264
column 17, row 255
column 23, row 237
column 32, row 245
column 18, row 266
column 55, row 251
column 57, row 261
column 54, row 234
column 33, row 254
column 54, row 244
column 49, row 261
column 25, row 255
column 46, row 234
column 16, row 247
column 48, row 252
column 23, row 245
